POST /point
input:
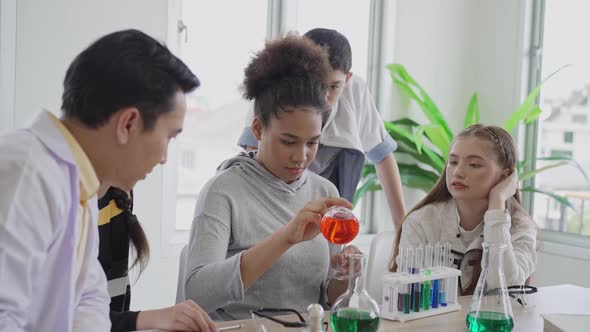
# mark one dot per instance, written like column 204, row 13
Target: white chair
column 378, row 263
column 181, row 268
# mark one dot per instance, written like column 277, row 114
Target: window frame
column 174, row 239
column 531, row 132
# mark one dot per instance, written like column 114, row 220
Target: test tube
column 426, row 289
column 445, row 252
column 401, row 267
column 436, row 283
column 407, row 288
column 418, row 257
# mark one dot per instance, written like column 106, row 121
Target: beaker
column 490, row 308
column 356, row 310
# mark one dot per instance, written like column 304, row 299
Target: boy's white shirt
column 440, row 222
column 355, row 112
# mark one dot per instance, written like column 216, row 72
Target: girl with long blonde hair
column 476, row 199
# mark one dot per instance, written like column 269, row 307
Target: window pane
column 563, row 127
column 349, row 17
column 221, row 38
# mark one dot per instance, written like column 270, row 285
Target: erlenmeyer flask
column 356, row 310
column 490, row 308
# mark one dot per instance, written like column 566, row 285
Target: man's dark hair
column 288, row 72
column 338, row 47
column 124, row 69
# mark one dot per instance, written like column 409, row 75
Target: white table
column 562, row 299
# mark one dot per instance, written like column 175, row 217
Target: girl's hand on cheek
column 503, row 191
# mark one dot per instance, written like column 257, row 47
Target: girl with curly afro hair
column 254, row 240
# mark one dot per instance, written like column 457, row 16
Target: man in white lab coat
column 123, row 100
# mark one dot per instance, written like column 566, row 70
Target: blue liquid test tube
column 436, row 283
column 426, row 285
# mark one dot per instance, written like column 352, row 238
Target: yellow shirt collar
column 88, row 180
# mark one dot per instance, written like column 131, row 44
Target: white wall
column 455, row 48
column 49, row 35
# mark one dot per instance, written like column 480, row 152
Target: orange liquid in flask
column 339, row 231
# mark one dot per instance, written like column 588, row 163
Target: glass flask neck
column 493, row 256
column 356, row 273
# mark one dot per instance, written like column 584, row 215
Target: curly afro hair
column 291, row 71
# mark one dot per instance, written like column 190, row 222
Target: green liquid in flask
column 485, row 321
column 351, row 320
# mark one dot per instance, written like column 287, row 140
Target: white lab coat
column 39, row 197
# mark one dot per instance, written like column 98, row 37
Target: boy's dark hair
column 338, row 47
column 124, row 69
column 290, row 71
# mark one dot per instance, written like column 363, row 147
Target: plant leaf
column 521, row 165
column 472, row 114
column 526, row 175
column 532, row 115
column 369, row 183
column 526, row 107
column 434, row 133
column 403, row 149
column 405, row 122
column 437, row 136
column 418, row 138
column 403, row 80
column 571, row 161
column 561, row 199
column 369, row 169
column 414, row 176
column 407, row 143
column 409, row 91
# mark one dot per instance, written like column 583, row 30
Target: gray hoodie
column 243, row 204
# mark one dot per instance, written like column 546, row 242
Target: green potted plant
column 427, row 145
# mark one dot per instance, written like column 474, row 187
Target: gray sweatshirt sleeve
column 211, row 279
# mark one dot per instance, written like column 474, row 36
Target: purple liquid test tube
column 402, row 268
column 408, row 293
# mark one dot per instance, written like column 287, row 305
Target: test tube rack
column 393, row 283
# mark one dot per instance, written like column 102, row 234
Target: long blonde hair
column 506, row 158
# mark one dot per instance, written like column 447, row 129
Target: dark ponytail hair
column 136, row 234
